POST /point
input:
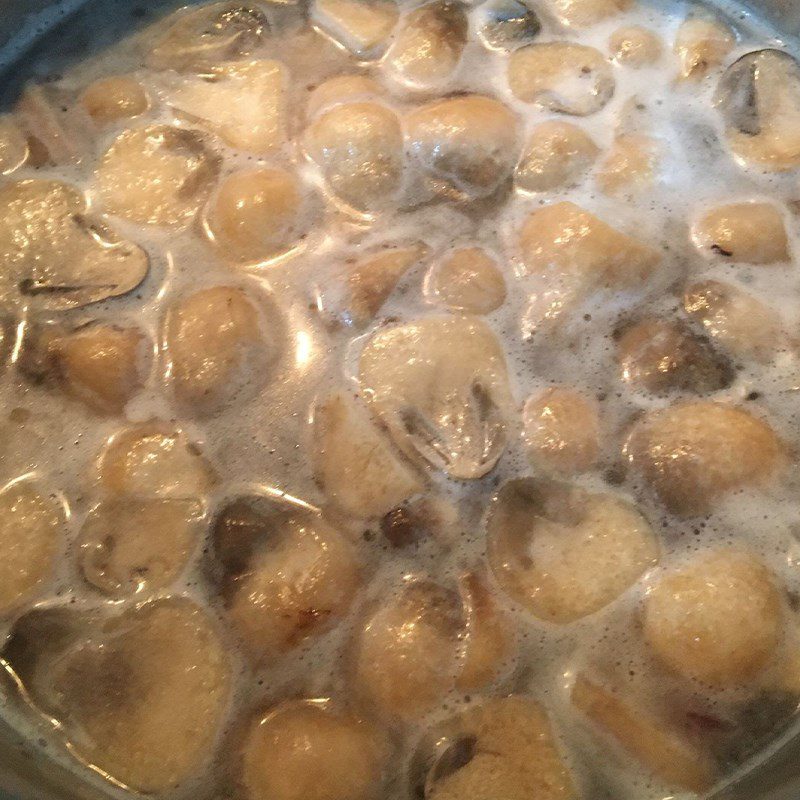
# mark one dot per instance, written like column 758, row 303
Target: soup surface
column 400, row 401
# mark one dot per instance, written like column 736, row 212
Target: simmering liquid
column 400, row 401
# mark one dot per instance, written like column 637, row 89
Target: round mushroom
column 307, row 750
column 564, row 553
column 694, row 453
column 561, row 76
column 718, row 619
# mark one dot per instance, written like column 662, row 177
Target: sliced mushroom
column 489, row 644
column 408, row 655
column 373, row 278
column 428, row 44
column 702, row 44
column 564, row 553
column 363, row 27
column 583, row 13
column 355, row 465
column 649, row 739
column 58, row 130
column 101, row 365
column 31, row 531
column 220, row 350
column 467, row 144
column 245, row 104
column 507, row 24
column 288, row 576
column 118, row 97
column 503, row 749
column 132, row 545
column 745, row 326
column 562, row 431
column 717, row 619
column 359, row 150
column 256, row 215
column 565, row 240
column 630, row 166
column 139, row 696
column 661, row 356
column 14, row 148
column 156, row 176
column 199, row 38
column 154, row 459
column 635, row 46
column 754, row 233
column 340, row 89
column 441, row 387
column 307, row 750
column 694, row 453
column 557, row 154
column 759, row 99
column 561, row 76
column 56, row 257
column 469, row 280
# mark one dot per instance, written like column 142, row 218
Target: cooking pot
column 40, row 37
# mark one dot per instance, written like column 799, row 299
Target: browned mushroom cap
column 562, row 430
column 256, row 215
column 427, row 640
column 467, row 145
column 717, row 619
column 359, row 149
column 661, row 356
column 374, row 277
column 54, row 255
column 649, row 739
column 702, row 44
column 245, row 104
column 139, row 695
column 31, row 531
column 557, row 154
column 220, row 347
column 503, row 749
column 751, row 232
column 428, row 45
column 440, row 385
column 355, row 464
column 363, row 27
column 759, row 99
column 114, row 98
column 467, row 279
column 154, row 459
column 741, row 323
column 406, row 653
column 564, row 553
column 159, row 175
column 693, row 453
column 307, row 750
column 198, row 39
column 635, row 47
column 286, row 574
column 561, row 76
